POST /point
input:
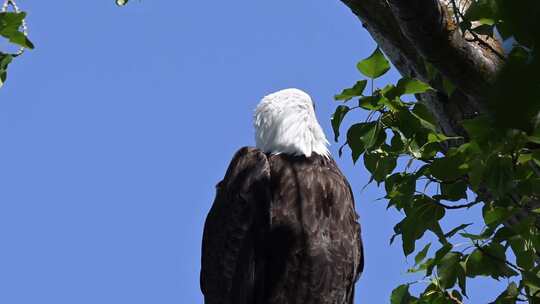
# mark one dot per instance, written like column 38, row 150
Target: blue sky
column 115, row 130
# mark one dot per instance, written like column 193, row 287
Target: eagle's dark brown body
column 282, row 230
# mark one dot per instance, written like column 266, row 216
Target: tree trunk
column 414, row 33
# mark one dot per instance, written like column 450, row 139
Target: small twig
column 370, row 115
column 457, row 15
column 468, row 205
column 456, row 300
column 482, row 42
column 456, row 11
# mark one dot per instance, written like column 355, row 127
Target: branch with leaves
column 13, row 28
column 487, row 159
column 475, row 131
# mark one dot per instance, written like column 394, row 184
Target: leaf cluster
column 490, row 167
column 10, row 28
column 519, row 79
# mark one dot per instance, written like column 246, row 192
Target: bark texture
column 413, row 33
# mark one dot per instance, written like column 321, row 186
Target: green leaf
column 438, row 257
column 479, row 128
column 449, row 168
column 509, row 296
column 361, row 137
column 462, row 277
column 407, row 85
column 439, row 137
column 424, row 114
column 421, row 255
column 21, row 40
column 452, row 232
column 489, row 261
column 379, row 164
column 498, row 174
column 454, row 191
column 5, row 60
column 448, row 269
column 400, row 188
column 495, row 215
column 421, row 215
column 535, row 137
column 476, row 173
column 10, row 23
column 372, row 103
column 532, row 281
column 476, row 264
column 401, row 295
column 407, row 123
column 396, row 143
column 536, row 157
column 481, row 10
column 337, row 119
column 524, row 158
column 525, row 255
column 355, row 91
column 374, row 66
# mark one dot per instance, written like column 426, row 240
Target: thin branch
column 468, row 205
column 485, row 44
column 456, row 12
column 454, row 299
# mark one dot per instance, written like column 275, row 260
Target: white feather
column 285, row 122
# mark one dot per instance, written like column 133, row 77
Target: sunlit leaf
column 10, row 24
column 422, row 254
column 375, row 65
column 407, row 85
column 372, row 103
column 355, row 91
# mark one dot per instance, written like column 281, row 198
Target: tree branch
column 429, row 25
column 380, row 21
column 468, row 205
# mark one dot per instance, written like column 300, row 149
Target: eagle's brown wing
column 232, row 270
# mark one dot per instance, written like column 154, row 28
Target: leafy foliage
column 11, row 24
column 494, row 164
column 10, row 28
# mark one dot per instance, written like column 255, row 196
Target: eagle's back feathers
column 282, row 230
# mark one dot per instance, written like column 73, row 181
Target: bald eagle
column 282, row 228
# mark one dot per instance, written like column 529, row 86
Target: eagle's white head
column 285, row 122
